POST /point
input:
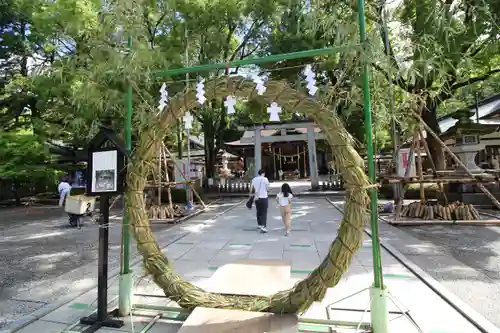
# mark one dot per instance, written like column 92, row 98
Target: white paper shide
column 104, row 171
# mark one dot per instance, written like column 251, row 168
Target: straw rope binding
column 342, row 249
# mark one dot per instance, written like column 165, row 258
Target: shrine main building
column 292, row 147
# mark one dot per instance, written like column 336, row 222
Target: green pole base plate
column 125, row 294
column 379, row 310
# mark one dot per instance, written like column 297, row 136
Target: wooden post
column 281, row 162
column 457, row 160
column 420, row 168
column 298, row 160
column 305, row 166
column 433, row 166
column 274, row 162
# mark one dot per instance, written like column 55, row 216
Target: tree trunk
column 179, row 140
column 15, row 192
column 209, row 148
column 430, row 117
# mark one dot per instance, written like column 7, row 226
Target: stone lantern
column 467, row 139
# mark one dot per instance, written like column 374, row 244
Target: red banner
column 404, row 155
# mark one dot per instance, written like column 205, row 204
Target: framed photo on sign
column 106, row 172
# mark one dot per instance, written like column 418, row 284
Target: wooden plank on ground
column 206, row 320
column 251, row 277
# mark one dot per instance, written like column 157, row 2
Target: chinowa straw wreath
column 342, row 249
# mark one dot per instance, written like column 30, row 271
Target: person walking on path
column 64, row 189
column 284, row 199
column 260, row 186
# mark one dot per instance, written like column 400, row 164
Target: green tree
column 329, row 24
column 24, row 159
column 223, row 31
column 437, row 48
column 24, row 51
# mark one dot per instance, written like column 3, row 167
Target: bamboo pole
column 407, row 173
column 160, row 173
column 420, row 168
column 435, row 178
column 115, row 200
column 433, row 166
column 446, row 176
column 167, row 183
column 457, row 160
column 430, row 181
column 167, row 178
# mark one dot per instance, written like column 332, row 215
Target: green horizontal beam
column 253, row 61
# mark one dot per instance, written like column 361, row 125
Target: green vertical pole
column 379, row 313
column 125, row 287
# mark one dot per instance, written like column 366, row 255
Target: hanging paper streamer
column 311, row 81
column 274, row 112
column 188, row 120
column 163, row 97
column 200, row 91
column 260, row 87
column 229, row 104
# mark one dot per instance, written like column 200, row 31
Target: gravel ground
column 464, row 259
column 15, row 216
column 43, row 258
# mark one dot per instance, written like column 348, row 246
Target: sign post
column 105, row 174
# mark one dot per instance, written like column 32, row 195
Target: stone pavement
column 211, row 241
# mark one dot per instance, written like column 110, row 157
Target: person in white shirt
column 64, row 188
column 260, row 187
column 284, row 199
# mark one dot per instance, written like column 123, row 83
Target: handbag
column 251, row 198
column 250, row 202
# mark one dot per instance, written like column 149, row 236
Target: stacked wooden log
column 432, row 210
column 164, row 212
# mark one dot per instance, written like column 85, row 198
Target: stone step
column 206, row 320
column 251, row 277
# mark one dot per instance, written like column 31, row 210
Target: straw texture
column 342, row 249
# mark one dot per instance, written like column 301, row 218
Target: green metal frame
column 377, row 261
column 254, row 61
column 305, row 324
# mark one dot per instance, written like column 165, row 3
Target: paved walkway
column 211, row 240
